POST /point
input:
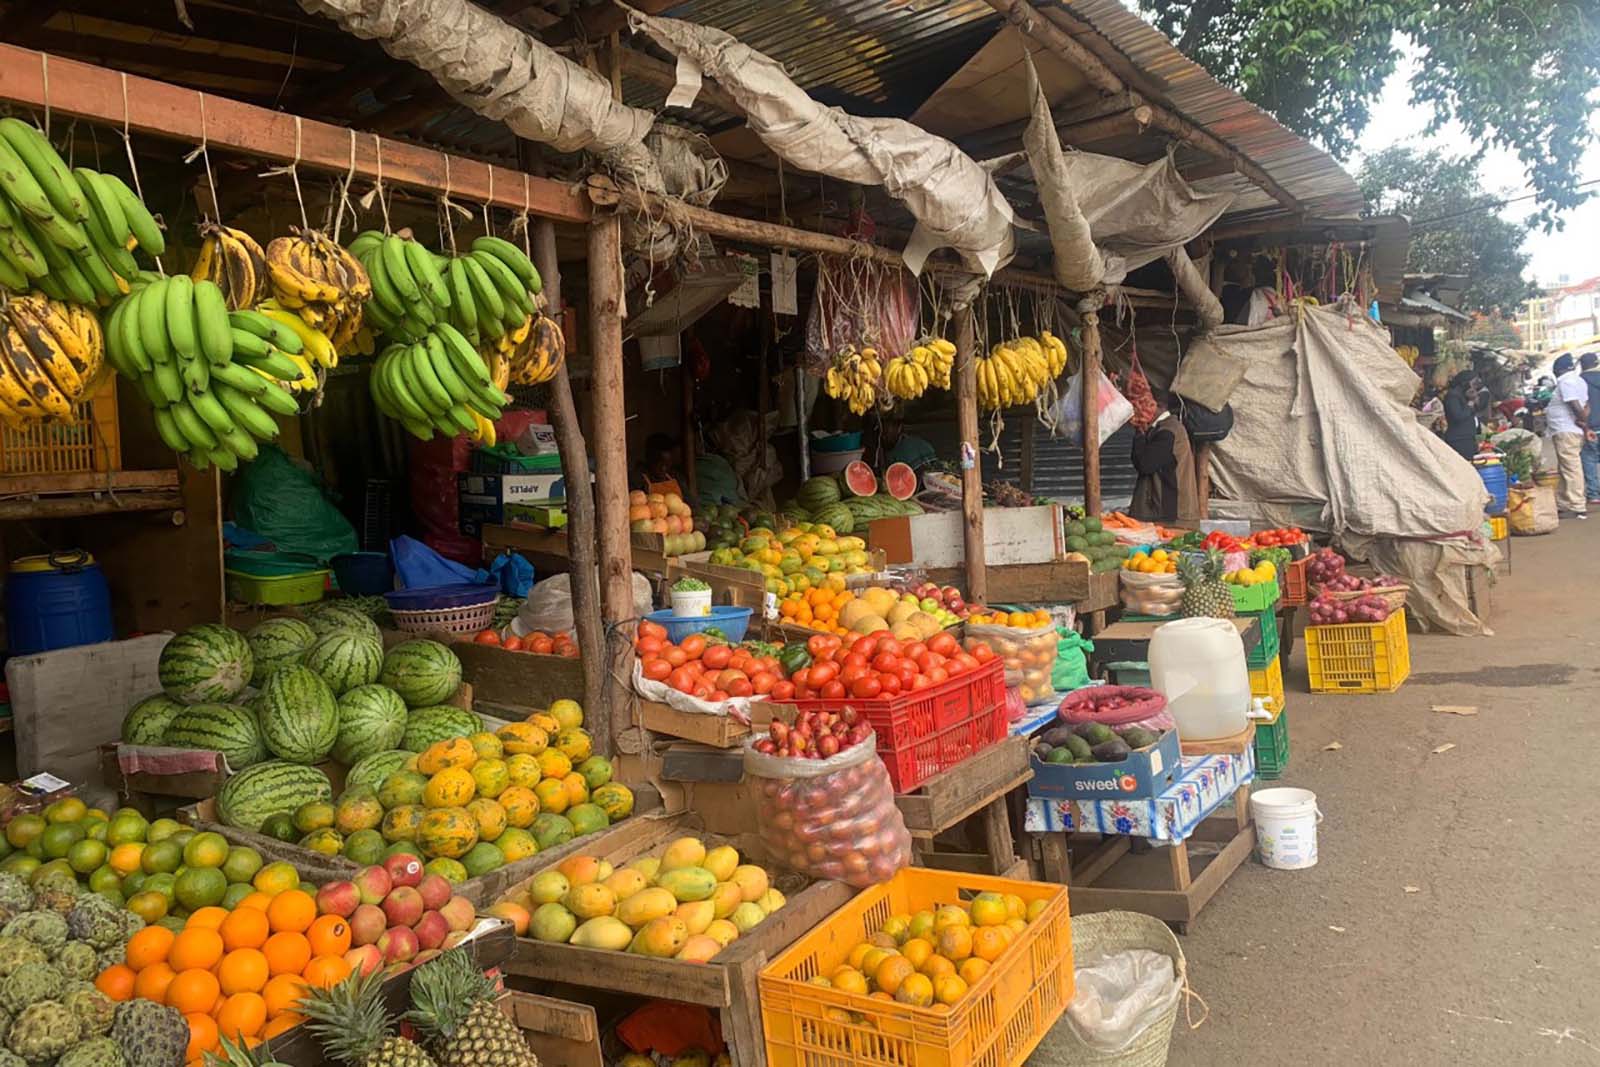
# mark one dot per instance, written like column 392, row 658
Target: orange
column 949, row 989
column 891, row 972
column 282, row 993
column 195, row 949
column 257, row 900
column 955, row 942
column 244, row 970
column 917, row 951
column 972, row 969
column 989, row 909
column 279, row 1023
column 116, row 981
column 873, row 959
column 1016, row 907
column 937, row 967
column 153, row 981
column 325, row 972
column 329, row 936
column 288, row 953
column 859, row 953
column 193, row 991
column 988, row 942
column 916, row 990
column 242, row 1015
column 207, row 918
column 293, row 910
column 849, row 980
column 149, row 945
column 125, row 858
column 203, row 1035
column 244, row 928
column 274, row 878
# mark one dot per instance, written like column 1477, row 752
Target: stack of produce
column 397, row 912
column 796, row 558
column 52, row 355
column 850, row 500
column 688, row 902
column 934, row 957
column 1281, row 537
column 855, row 377
column 1205, row 592
column 1155, row 561
column 1016, row 620
column 320, row 281
column 1088, row 539
column 1259, row 573
column 666, row 514
column 1328, row 610
column 535, row 641
column 439, row 384
column 1092, row 742
column 1017, row 371
column 868, row 610
column 711, row 669
column 947, row 597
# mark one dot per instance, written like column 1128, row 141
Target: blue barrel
column 56, row 601
column 1493, row 474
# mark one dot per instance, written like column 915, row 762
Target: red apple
column 398, row 944
column 403, row 869
column 374, row 884
column 338, row 898
column 364, row 959
column 431, row 929
column 435, row 890
column 403, row 906
column 459, row 913
column 367, row 924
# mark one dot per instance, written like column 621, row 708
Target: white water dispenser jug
column 1199, row 666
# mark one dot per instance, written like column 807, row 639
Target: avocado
column 1080, row 748
column 1091, row 524
column 1056, row 736
column 1042, row 749
column 1059, row 755
column 1138, row 737
column 1083, row 728
column 1112, row 751
column 1098, row 733
column 1077, row 543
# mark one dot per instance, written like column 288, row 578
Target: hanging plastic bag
column 831, row 818
column 1072, row 661
column 1115, row 411
column 284, row 504
column 1120, row 995
column 1137, row 390
column 1029, row 654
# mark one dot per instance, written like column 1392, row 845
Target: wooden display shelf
column 41, row 496
column 1060, row 582
column 559, row 1031
column 535, row 541
column 976, row 787
column 718, row 731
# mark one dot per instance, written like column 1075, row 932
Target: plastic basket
column 921, row 734
column 1272, row 748
column 1295, row 589
column 1268, row 684
column 503, row 459
column 93, row 444
column 1363, row 657
column 1266, row 649
column 1249, row 598
column 302, row 588
column 997, row 1024
column 733, row 622
column 451, row 609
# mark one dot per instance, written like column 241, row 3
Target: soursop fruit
column 43, row 1031
column 94, row 1011
column 150, row 1034
column 110, row 957
column 5, row 1026
column 29, row 984
column 98, row 1052
column 76, row 960
column 96, row 920
column 15, row 951
column 47, row 929
column 59, row 895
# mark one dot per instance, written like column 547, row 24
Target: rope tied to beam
column 127, row 144
column 204, row 153
column 293, row 171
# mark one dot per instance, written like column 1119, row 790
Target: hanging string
column 204, row 153
column 344, row 193
column 488, row 227
column 44, row 77
column 376, row 192
column 293, row 171
column 127, row 143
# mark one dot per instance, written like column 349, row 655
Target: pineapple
column 232, row 1055
column 1205, row 594
column 351, row 1023
column 453, row 1005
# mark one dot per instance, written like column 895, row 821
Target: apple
column 403, row 869
column 398, row 944
column 374, row 884
column 338, row 898
column 459, row 913
column 403, row 906
column 364, row 959
column 431, row 929
column 435, row 890
column 367, row 924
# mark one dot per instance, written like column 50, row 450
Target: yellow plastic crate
column 997, row 1024
column 1360, row 657
column 93, row 444
column 1268, row 683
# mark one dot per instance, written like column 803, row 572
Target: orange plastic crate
column 1359, row 657
column 94, row 444
column 997, row 1024
column 1294, row 582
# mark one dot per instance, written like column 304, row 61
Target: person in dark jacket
column 1589, row 371
column 1166, row 490
column 1461, row 422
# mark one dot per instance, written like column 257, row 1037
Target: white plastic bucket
column 1286, row 827
column 691, row 603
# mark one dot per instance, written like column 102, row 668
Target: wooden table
column 978, row 786
column 1131, row 640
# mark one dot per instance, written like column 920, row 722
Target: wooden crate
column 719, row 731
column 974, row 789
column 558, row 1031
column 1010, row 536
column 142, row 789
column 517, row 681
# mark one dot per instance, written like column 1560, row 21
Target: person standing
column 1461, row 424
column 1166, row 490
column 1589, row 371
column 1566, row 420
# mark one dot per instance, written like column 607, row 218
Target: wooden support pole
column 691, row 481
column 1091, row 411
column 966, row 343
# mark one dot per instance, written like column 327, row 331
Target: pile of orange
column 1019, row 620
column 817, row 608
column 237, row 975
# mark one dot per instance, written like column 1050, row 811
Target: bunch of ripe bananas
column 319, row 280
column 235, row 262
column 211, row 375
column 1015, row 372
column 437, row 384
column 928, row 363
column 537, row 355
column 854, row 378
column 67, row 233
column 52, row 357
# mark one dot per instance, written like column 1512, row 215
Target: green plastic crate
column 1130, row 672
column 1266, row 649
column 278, row 590
column 1253, row 598
column 1272, row 748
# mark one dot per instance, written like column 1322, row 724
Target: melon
column 334, row 615
column 206, row 664
column 299, row 719
column 345, row 659
column 425, row 726
column 275, row 642
column 226, row 728
column 859, row 480
column 372, row 771
column 837, row 516
column 147, row 721
column 423, row 672
column 372, row 719
column 249, row 797
column 818, row 492
column 900, row 481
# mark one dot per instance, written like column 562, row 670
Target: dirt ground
column 1452, row 917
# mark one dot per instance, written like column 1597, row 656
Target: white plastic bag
column 1120, row 995
column 1115, row 410
column 549, row 605
column 1152, row 594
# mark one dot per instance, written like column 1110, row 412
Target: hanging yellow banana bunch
column 854, row 378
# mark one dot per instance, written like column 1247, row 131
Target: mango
column 603, row 932
column 723, row 931
column 551, row 922
column 688, row 883
column 746, row 916
column 548, row 887
column 626, row 882
column 661, row 938
column 684, row 852
column 590, row 901
column 721, row 862
column 771, row 901
column 697, row 915
column 751, row 880
column 580, row 870
column 726, row 897
column 646, row 905
column 649, row 866
column 698, row 949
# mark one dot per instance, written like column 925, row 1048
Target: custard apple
column 96, row 920
column 93, row 1009
column 15, row 951
column 47, row 929
column 76, row 960
column 29, row 984
column 98, row 1052
column 43, row 1031
column 150, row 1034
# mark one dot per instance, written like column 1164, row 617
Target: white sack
column 1077, row 263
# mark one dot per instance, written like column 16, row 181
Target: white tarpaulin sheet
column 1323, row 417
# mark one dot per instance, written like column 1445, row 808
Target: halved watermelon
column 859, row 480
column 900, row 481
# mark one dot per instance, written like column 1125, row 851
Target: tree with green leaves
column 1518, row 76
column 1456, row 228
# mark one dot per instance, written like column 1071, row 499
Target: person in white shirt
column 1566, row 422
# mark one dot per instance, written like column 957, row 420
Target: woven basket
column 1393, row 595
column 464, row 620
column 1115, row 931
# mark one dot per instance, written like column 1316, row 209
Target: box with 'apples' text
column 482, row 498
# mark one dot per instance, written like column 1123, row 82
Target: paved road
column 1454, row 916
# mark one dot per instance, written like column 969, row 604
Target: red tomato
column 822, row 644
column 890, row 684
column 938, row 676
column 802, row 693
column 913, row 650
column 822, row 674
column 717, row 696
column 657, row 670
column 885, row 661
column 867, row 687
column 783, row 691
column 694, row 646
column 982, row 653
column 944, row 643
column 867, row 646
column 834, row 690
column 801, row 678
column 512, row 643
column 920, row 681
column 542, row 645
column 741, row 687
column 854, row 659
column 675, row 655
column 739, row 659
column 652, row 629
column 850, row 674
column 717, row 657
column 926, row 662
column 763, row 682
column 487, row 637
column 568, row 650
column 681, row 680
column 905, row 672
column 763, row 665
column 966, row 662
column 728, row 678
column 888, row 643
column 649, row 646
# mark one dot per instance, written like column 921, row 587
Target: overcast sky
column 1573, row 251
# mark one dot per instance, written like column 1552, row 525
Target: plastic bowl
column 440, row 597
column 837, row 442
column 832, row 462
column 363, row 573
column 730, row 620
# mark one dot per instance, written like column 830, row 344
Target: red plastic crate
column 921, row 734
column 1294, row 582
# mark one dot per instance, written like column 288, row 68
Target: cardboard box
column 1147, row 772
column 484, row 498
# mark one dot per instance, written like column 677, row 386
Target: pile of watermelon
column 850, row 499
column 323, row 689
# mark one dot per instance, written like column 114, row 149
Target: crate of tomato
column 712, row 669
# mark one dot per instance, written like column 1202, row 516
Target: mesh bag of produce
column 1029, row 654
column 1116, row 705
column 833, row 817
column 1152, row 594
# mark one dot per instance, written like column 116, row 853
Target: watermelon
column 859, row 480
column 900, row 481
column 277, row 641
column 230, row 729
column 206, row 664
column 370, row 772
column 818, row 492
column 372, row 718
column 299, row 719
column 249, row 797
column 345, row 659
column 422, row 672
column 334, row 615
column 838, row 516
column 424, row 726
column 147, row 721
